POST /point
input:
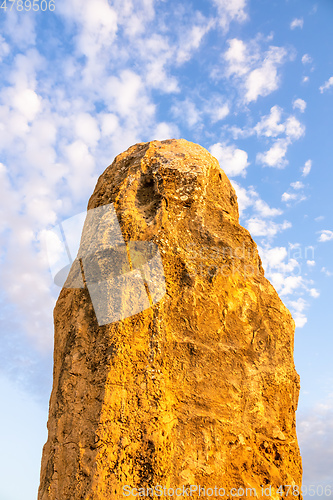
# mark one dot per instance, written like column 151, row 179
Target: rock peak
column 197, row 388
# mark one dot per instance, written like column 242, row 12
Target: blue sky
column 250, row 80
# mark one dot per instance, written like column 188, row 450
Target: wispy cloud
column 306, row 59
column 297, row 185
column 276, row 123
column 232, row 160
column 250, row 198
column 230, row 11
column 296, row 194
column 298, row 307
column 299, row 104
column 262, row 227
column 255, row 70
column 297, row 23
column 187, row 112
column 326, row 235
column 327, row 85
column 272, row 126
column 326, row 271
column 306, row 168
column 284, row 267
column 275, row 156
column 264, row 79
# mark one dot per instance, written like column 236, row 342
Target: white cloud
column 193, row 114
column 326, row 271
column 156, row 54
column 311, row 263
column 296, row 23
column 191, row 40
column 231, row 159
column 326, row 85
column 305, row 79
column 80, row 177
column 79, row 156
column 300, row 320
column 255, row 70
column 297, row 307
column 326, row 235
column 156, row 77
column 291, row 283
column 274, row 260
column 294, row 129
column 297, row 185
column 314, row 293
column 99, row 19
column 306, row 59
column 270, row 125
column 250, row 198
column 187, row 112
column 237, row 58
column 20, row 30
column 109, row 123
column 230, row 11
column 4, row 48
column 86, row 128
column 24, row 70
column 273, row 257
column 98, row 25
column 19, row 276
column 299, row 104
column 134, row 15
column 283, row 267
column 264, row 210
column 219, row 113
column 243, row 197
column 124, row 94
column 164, row 131
column 288, row 197
column 307, row 167
column 28, row 103
column 263, row 80
column 262, row 227
column 275, row 156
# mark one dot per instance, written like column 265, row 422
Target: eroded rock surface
column 201, row 387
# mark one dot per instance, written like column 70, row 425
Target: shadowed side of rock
column 200, row 388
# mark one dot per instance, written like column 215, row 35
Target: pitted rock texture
column 199, row 389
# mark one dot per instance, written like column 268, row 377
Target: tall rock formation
column 199, row 388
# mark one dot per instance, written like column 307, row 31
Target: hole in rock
column 148, row 198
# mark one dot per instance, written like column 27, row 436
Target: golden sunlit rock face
column 198, row 389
